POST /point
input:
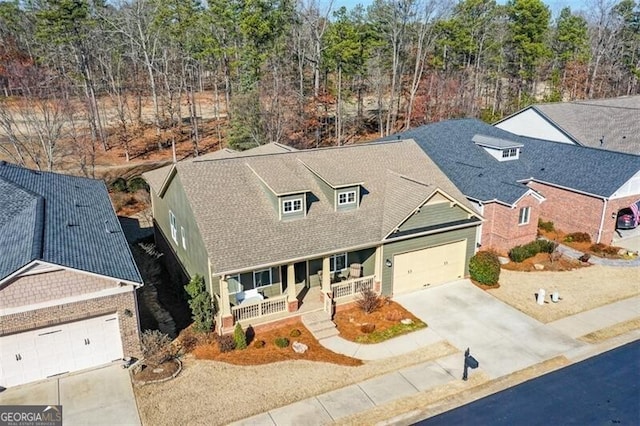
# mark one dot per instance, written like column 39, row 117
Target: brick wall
column 59, row 314
column 573, row 212
column 501, row 230
column 36, row 288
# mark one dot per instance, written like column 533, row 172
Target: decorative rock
column 538, row 266
column 407, row 321
column 504, row 260
column 299, row 348
column 158, row 370
column 622, row 252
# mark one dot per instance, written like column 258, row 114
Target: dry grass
column 350, row 321
column 612, row 331
column 580, row 290
column 217, row 393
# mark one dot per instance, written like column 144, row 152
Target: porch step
column 319, row 324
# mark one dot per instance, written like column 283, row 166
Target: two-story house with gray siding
column 281, row 232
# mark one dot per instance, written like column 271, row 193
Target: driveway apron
column 501, row 338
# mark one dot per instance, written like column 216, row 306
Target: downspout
column 604, row 211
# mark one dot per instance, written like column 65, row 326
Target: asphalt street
column 603, row 390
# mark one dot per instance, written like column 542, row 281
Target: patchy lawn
column 385, row 321
column 580, row 290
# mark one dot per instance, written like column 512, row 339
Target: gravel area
column 580, row 290
column 215, row 393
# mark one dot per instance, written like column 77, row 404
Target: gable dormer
column 346, row 195
column 500, row 149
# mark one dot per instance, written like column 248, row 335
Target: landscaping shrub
column 484, row 267
column 545, row 226
column 546, row 246
column 226, row 343
column 369, row 301
column 200, row 304
column 295, row 333
column 603, row 249
column 577, row 237
column 137, row 183
column 156, row 347
column 521, row 253
column 281, row 342
column 118, row 185
column 239, row 337
column 260, row 344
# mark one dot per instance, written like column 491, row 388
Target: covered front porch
column 266, row 295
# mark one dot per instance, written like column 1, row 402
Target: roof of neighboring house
column 481, row 177
column 155, row 178
column 243, row 230
column 611, row 124
column 63, row 220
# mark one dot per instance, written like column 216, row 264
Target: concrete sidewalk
column 501, row 338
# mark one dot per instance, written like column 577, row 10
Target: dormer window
column 348, row 197
column 509, row 152
column 292, row 206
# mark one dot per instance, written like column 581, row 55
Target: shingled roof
column 612, row 124
column 240, row 228
column 481, row 177
column 63, row 220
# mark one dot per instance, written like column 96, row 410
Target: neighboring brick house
column 67, row 277
column 286, row 232
column 610, row 124
column 514, row 180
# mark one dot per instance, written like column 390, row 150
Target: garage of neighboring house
column 46, row 352
column 430, row 266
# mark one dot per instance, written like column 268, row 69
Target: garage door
column 46, row 352
column 427, row 267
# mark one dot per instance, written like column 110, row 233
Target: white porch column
column 225, row 305
column 326, row 274
column 379, row 264
column 292, row 298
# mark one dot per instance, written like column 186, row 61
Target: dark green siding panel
column 434, row 214
column 194, row 257
column 315, row 265
column 273, row 198
column 390, row 249
column 365, row 257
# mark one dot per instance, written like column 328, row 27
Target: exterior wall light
column 388, row 263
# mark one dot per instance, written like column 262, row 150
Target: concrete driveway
column 627, row 238
column 97, row 397
column 501, row 338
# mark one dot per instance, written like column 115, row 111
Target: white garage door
column 427, row 267
column 38, row 354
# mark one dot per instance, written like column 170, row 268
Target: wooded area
column 292, row 71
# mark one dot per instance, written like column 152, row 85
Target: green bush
column 200, row 304
column 239, row 337
column 295, row 333
column 226, row 343
column 520, row 253
column 546, row 246
column 545, row 226
column 281, row 342
column 603, row 249
column 484, row 267
column 578, row 237
column 137, row 183
column 118, row 185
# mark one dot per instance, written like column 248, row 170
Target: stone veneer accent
column 46, row 286
column 59, row 314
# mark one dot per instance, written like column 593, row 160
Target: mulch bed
column 350, row 321
column 544, row 259
column 158, row 373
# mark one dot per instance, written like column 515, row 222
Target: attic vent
column 106, row 227
column 70, row 224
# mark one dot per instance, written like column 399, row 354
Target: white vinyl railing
column 272, row 305
column 352, row 287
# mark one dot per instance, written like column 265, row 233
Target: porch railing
column 351, row 287
column 272, row 305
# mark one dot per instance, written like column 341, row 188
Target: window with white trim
column 338, row 262
column 292, row 206
column 234, row 284
column 174, row 228
column 184, row 237
column 523, row 218
column 262, row 278
column 509, row 152
column 348, row 197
